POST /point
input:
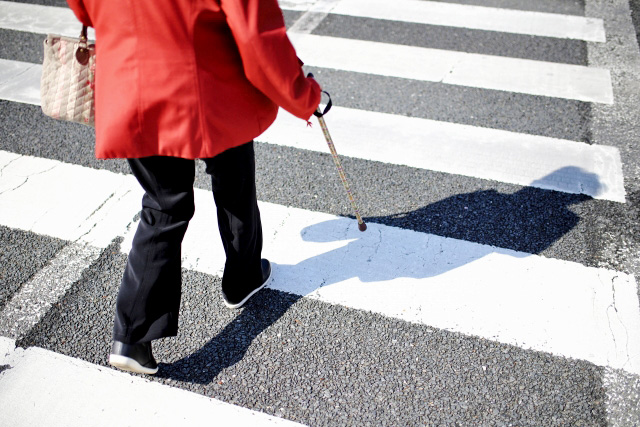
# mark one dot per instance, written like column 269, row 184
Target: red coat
column 190, row 78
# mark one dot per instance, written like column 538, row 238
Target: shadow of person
column 454, row 232
column 230, row 345
column 482, row 223
column 529, row 220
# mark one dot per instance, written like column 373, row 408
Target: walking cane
column 319, row 114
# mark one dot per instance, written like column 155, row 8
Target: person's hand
column 310, row 76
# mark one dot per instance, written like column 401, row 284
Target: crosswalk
column 479, row 18
column 488, row 288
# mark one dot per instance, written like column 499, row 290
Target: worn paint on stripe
column 456, row 68
column 313, row 16
column 515, row 158
column 477, row 18
column 84, row 206
column 499, row 155
column 35, row 298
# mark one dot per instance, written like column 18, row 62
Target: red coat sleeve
column 268, row 57
column 80, row 11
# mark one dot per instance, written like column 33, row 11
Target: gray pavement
column 317, row 363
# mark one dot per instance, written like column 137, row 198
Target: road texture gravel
column 323, row 364
column 311, row 362
column 22, row 254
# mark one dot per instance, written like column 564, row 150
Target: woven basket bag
column 68, row 78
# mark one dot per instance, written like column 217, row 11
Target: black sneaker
column 133, row 357
column 266, row 276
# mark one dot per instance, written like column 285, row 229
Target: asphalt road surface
column 492, row 146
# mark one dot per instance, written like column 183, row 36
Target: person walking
column 179, row 80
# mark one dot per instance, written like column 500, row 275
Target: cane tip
column 362, row 226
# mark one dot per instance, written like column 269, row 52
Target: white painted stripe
column 499, row 155
column 40, row 19
column 466, row 16
column 456, row 68
column 65, row 201
column 42, row 387
column 296, row 5
column 58, row 20
column 20, row 81
column 7, row 346
column 87, row 207
column 512, row 297
column 477, row 18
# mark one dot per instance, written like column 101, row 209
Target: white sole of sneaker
column 241, row 303
column 129, row 364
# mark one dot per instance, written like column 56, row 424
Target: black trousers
column 149, row 298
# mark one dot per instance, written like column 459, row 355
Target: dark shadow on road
column 230, row 345
column 528, row 221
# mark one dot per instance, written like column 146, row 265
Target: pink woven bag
column 68, row 78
